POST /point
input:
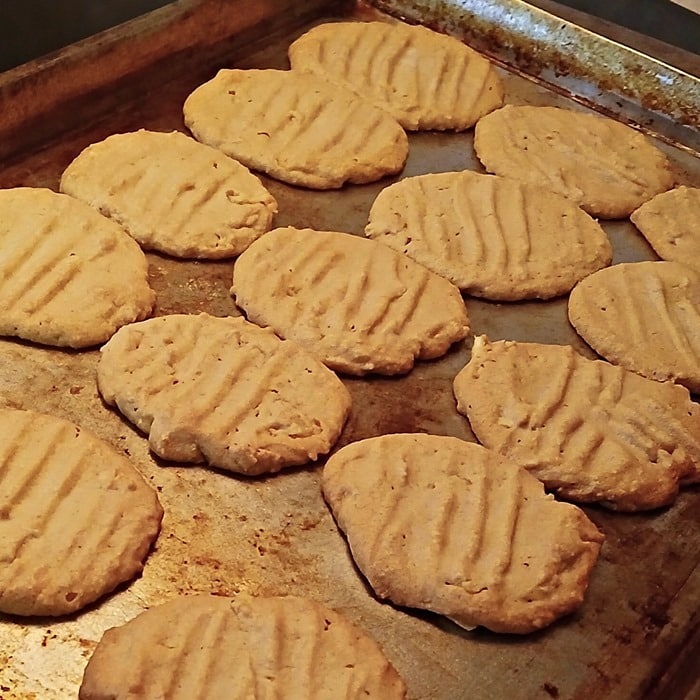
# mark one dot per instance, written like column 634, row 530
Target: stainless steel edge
column 614, row 78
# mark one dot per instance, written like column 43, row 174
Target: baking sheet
column 616, row 79
column 637, row 633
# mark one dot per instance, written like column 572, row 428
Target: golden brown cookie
column 76, row 519
column 589, row 430
column 237, row 649
column 357, row 305
column 424, row 79
column 296, row 128
column 172, row 194
column 605, row 167
column 68, row 276
column 222, row 391
column 437, row 523
column 493, row 237
column 644, row 316
column 671, row 223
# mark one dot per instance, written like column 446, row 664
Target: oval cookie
column 172, row 194
column 222, row 391
column 76, row 519
column 237, row 649
column 296, row 128
column 671, row 223
column 424, row 79
column 457, row 529
column 605, row 167
column 68, row 276
column 493, row 237
column 644, row 316
column 589, row 430
column 357, row 305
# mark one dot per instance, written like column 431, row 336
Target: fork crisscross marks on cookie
column 223, row 391
column 285, row 629
column 424, row 79
column 570, row 437
column 187, row 634
column 75, row 518
column 669, row 222
column 358, row 306
column 58, row 251
column 493, row 237
column 201, row 634
column 171, row 193
column 26, row 266
column 296, row 128
column 458, row 535
column 606, row 167
column 213, row 647
column 589, row 430
column 451, row 531
column 659, row 338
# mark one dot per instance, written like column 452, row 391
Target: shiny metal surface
column 637, row 631
column 596, row 70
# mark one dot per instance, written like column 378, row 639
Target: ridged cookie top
column 456, row 529
column 172, row 194
column 76, row 519
column 208, row 648
column 589, row 430
column 671, row 223
column 605, row 167
column 223, row 391
column 357, row 305
column 296, row 128
column 68, row 276
column 493, row 237
column 424, row 79
column 644, row 316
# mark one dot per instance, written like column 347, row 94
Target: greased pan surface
column 637, row 631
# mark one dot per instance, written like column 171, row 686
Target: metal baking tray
column 637, row 634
